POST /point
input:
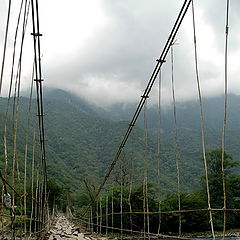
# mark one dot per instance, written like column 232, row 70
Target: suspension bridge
column 129, row 208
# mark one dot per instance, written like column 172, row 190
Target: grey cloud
column 3, row 14
column 121, row 56
column 215, row 16
column 128, row 47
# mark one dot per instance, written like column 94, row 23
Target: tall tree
column 214, row 161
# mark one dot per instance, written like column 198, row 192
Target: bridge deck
column 64, row 229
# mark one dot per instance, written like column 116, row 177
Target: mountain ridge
column 82, row 139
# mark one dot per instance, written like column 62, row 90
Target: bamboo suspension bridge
column 109, row 210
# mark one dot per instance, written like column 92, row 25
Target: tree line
column 120, row 199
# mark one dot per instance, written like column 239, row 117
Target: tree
column 214, row 162
column 194, row 221
column 232, row 182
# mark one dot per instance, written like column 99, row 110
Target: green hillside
column 82, row 140
column 87, row 143
column 79, row 143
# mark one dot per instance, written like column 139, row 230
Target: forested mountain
column 82, row 139
column 188, row 123
column 86, row 142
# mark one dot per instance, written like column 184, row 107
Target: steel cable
column 225, row 116
column 159, row 149
column 5, row 43
column 177, row 149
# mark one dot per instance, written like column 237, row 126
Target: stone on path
column 63, row 229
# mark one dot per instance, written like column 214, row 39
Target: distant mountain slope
column 188, row 122
column 87, row 143
column 82, row 139
column 92, row 136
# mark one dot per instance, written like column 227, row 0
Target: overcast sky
column 105, row 50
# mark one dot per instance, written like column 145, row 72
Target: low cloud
column 113, row 62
